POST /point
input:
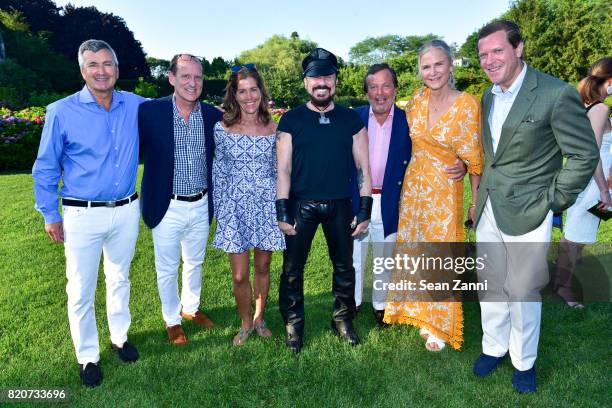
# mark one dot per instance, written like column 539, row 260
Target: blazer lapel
column 364, row 112
column 396, row 135
column 167, row 133
column 520, row 107
column 487, row 142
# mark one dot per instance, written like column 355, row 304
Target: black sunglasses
column 187, row 57
column 237, row 68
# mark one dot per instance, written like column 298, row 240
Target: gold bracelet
column 472, row 205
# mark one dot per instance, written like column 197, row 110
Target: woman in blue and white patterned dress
column 244, row 191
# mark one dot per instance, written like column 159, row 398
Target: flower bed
column 19, row 137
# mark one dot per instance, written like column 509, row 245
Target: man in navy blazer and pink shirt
column 177, row 146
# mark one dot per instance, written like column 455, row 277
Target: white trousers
column 514, row 326
column 182, row 232
column 382, row 247
column 89, row 232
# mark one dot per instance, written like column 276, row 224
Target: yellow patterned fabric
column 431, row 207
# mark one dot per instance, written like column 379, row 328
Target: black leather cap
column 319, row 62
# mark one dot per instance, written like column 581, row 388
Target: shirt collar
column 516, row 85
column 85, row 96
column 175, row 108
column 390, row 116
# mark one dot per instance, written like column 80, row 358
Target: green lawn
column 390, row 368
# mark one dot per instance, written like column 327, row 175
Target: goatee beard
column 321, row 103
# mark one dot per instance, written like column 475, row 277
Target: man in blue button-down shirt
column 90, row 142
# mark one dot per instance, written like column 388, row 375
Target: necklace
column 441, row 102
column 323, row 120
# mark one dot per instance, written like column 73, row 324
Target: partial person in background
column 177, row 146
column 581, row 225
column 244, row 180
column 90, row 142
column 444, row 126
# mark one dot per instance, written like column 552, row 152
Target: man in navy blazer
column 389, row 152
column 177, row 146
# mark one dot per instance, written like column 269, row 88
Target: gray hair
column 95, row 46
column 440, row 45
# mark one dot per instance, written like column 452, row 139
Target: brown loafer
column 176, row 335
column 200, row 319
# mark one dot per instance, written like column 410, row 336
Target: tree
column 564, row 37
column 146, row 89
column 40, row 15
column 469, row 49
column 82, row 23
column 279, row 60
column 350, row 84
column 218, row 69
column 378, row 49
column 159, row 67
column 32, row 66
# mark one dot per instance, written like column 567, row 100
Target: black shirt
column 322, row 153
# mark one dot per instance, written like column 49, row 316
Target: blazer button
column 405, row 161
column 399, row 183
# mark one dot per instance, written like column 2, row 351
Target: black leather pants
column 336, row 217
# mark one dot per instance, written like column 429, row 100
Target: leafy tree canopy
column 40, row 15
column 82, row 23
column 378, row 49
column 564, row 37
column 279, row 60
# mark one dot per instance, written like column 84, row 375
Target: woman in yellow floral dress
column 444, row 125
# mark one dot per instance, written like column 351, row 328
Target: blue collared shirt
column 93, row 151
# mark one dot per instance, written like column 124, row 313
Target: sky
column 225, row 28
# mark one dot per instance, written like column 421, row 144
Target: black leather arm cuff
column 365, row 209
column 282, row 211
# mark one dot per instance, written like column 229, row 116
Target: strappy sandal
column 262, row 329
column 241, row 337
column 424, row 333
column 567, row 296
column 431, row 340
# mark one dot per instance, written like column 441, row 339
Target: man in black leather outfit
column 317, row 144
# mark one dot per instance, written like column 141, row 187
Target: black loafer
column 127, row 353
column 294, row 342
column 379, row 315
column 344, row 329
column 90, row 374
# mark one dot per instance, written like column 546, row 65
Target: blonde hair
column 440, row 45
